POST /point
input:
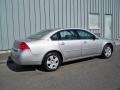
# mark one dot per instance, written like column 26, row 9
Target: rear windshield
column 40, row 34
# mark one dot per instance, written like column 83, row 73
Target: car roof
column 57, row 29
column 61, row 29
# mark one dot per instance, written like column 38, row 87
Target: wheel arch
column 56, row 52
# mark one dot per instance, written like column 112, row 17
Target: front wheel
column 107, row 51
column 51, row 61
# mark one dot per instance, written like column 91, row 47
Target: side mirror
column 93, row 37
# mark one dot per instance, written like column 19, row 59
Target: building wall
column 21, row 18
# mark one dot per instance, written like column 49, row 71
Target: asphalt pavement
column 86, row 74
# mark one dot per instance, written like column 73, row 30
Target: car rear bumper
column 25, row 57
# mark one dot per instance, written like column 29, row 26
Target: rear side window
column 54, row 37
column 64, row 35
column 67, row 35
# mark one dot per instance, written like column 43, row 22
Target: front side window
column 85, row 35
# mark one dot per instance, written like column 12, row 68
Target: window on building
column 93, row 21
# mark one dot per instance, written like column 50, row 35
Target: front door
column 90, row 44
column 91, row 47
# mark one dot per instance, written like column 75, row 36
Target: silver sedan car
column 52, row 47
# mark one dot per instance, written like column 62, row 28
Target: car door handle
column 62, row 43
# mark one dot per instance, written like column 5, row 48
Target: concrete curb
column 117, row 42
column 4, row 55
column 3, row 61
column 3, row 52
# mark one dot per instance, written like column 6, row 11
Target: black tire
column 47, row 59
column 104, row 52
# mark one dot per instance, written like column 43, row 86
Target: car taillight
column 23, row 46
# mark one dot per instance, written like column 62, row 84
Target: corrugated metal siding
column 119, row 20
column 21, row 18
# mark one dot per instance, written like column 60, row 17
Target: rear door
column 90, row 44
column 69, row 44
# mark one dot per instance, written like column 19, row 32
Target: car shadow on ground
column 23, row 68
column 78, row 61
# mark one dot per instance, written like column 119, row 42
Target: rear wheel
column 51, row 61
column 107, row 51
